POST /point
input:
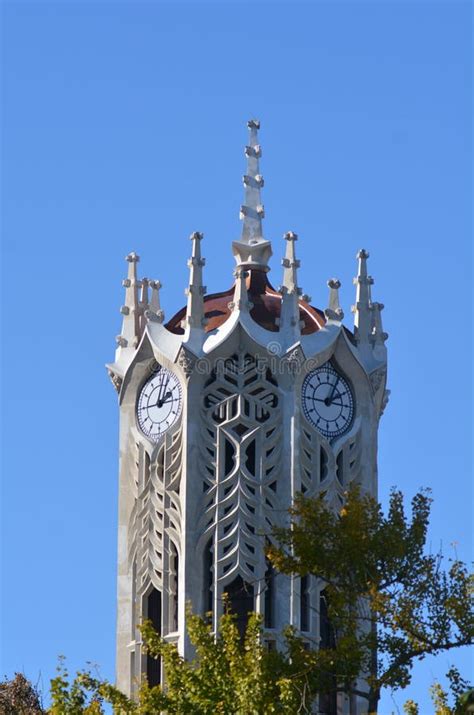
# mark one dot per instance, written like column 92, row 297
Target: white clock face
column 328, row 402
column 159, row 404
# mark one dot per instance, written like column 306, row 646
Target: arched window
column 153, row 613
column 241, row 602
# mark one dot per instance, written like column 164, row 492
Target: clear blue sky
column 123, row 129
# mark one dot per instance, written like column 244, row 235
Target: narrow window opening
column 174, row 587
column 250, row 457
column 270, row 377
column 146, row 469
column 269, row 596
column 304, row 603
column 229, row 453
column 340, row 467
column 241, row 602
column 323, row 465
column 153, row 611
column 207, row 585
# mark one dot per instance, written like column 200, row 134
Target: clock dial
column 159, row 404
column 328, row 402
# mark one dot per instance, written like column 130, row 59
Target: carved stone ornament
column 154, row 317
column 186, row 361
column 386, row 397
column 115, row 379
column 295, row 360
column 378, row 377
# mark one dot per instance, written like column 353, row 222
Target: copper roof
column 265, row 311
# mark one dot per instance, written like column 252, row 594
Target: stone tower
column 227, row 410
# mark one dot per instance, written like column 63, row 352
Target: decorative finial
column 252, row 250
column 362, row 308
column 131, row 329
column 290, row 310
column 143, row 303
column 334, row 311
column 241, row 301
column 290, row 264
column 155, row 313
column 377, row 336
column 195, row 290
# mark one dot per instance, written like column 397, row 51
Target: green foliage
column 461, row 693
column 390, row 604
column 225, row 677
column 389, row 599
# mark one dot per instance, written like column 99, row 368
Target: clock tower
column 228, row 409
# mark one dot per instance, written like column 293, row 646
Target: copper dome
column 265, row 311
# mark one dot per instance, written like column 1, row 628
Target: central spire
column 252, row 251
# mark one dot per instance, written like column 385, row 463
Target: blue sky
column 123, row 129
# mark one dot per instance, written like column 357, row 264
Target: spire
column 130, row 333
column 362, row 308
column 195, row 290
column 291, row 292
column 143, row 304
column 334, row 311
column 154, row 311
column 241, row 302
column 252, row 250
column 290, row 264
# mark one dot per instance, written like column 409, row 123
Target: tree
column 390, row 603
column 226, row 676
column 462, row 695
column 19, row 697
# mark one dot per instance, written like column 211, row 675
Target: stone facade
column 228, row 410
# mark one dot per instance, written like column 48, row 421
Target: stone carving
column 378, row 377
column 186, row 361
column 241, row 453
column 115, row 379
column 386, row 397
column 295, row 360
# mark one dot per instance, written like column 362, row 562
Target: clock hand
column 161, row 392
column 329, row 398
column 166, row 398
column 319, row 399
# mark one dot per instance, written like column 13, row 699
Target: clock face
column 328, row 402
column 159, row 404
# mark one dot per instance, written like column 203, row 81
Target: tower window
column 250, row 457
column 229, row 453
column 174, row 587
column 207, row 581
column 269, row 596
column 323, row 464
column 241, row 602
column 340, row 467
column 304, row 603
column 146, row 468
column 153, row 665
